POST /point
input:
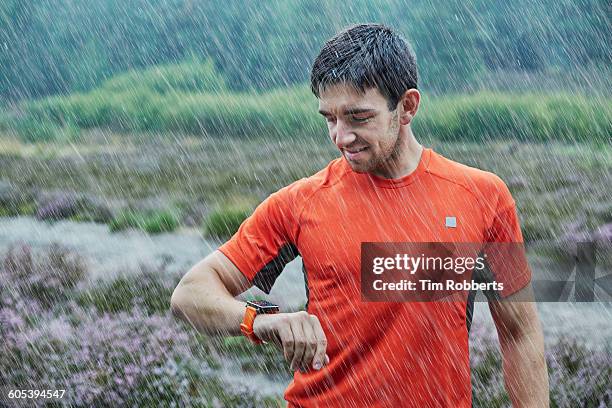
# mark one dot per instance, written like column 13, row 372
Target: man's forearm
column 525, row 371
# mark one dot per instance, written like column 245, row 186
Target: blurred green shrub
column 31, row 130
column 223, row 223
column 147, row 107
column 192, row 98
column 160, row 221
column 16, row 201
column 528, row 117
column 153, row 221
column 9, row 210
column 35, row 129
column 189, row 76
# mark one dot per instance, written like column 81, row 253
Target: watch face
column 263, row 306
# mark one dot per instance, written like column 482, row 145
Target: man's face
column 361, row 126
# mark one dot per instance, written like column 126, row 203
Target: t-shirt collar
column 407, row 179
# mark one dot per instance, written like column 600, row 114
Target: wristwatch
column 253, row 308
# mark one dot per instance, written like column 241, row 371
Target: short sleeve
column 264, row 243
column 504, row 247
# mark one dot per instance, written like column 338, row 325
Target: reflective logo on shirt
column 451, row 222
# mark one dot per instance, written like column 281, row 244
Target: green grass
column 486, row 116
column 223, row 223
column 153, row 222
column 191, row 76
column 13, row 209
column 192, row 98
column 144, row 107
column 562, row 182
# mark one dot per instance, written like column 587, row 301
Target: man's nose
column 344, row 134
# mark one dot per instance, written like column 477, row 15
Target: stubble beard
column 388, row 156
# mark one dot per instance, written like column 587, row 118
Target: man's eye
column 359, row 119
column 330, row 119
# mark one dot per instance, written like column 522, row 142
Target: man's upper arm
column 265, row 241
column 504, row 246
column 216, row 272
column 230, row 276
column 516, row 314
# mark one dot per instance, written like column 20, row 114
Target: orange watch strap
column 246, row 327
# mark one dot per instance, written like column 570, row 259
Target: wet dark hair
column 366, row 56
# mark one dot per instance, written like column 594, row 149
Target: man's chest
column 332, row 229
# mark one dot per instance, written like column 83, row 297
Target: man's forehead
column 347, row 99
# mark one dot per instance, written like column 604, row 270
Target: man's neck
column 405, row 160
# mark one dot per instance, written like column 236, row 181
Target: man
column 386, row 187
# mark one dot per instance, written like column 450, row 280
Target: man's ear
column 409, row 105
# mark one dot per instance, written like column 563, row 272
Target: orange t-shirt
column 411, row 354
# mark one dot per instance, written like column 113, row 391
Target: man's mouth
column 353, row 151
column 354, row 154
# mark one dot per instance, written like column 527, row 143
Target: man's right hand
column 298, row 334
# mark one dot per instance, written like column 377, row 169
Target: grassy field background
column 163, row 182
column 554, row 184
column 193, row 98
column 163, row 151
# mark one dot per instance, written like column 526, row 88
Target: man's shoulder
column 326, row 177
column 485, row 185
